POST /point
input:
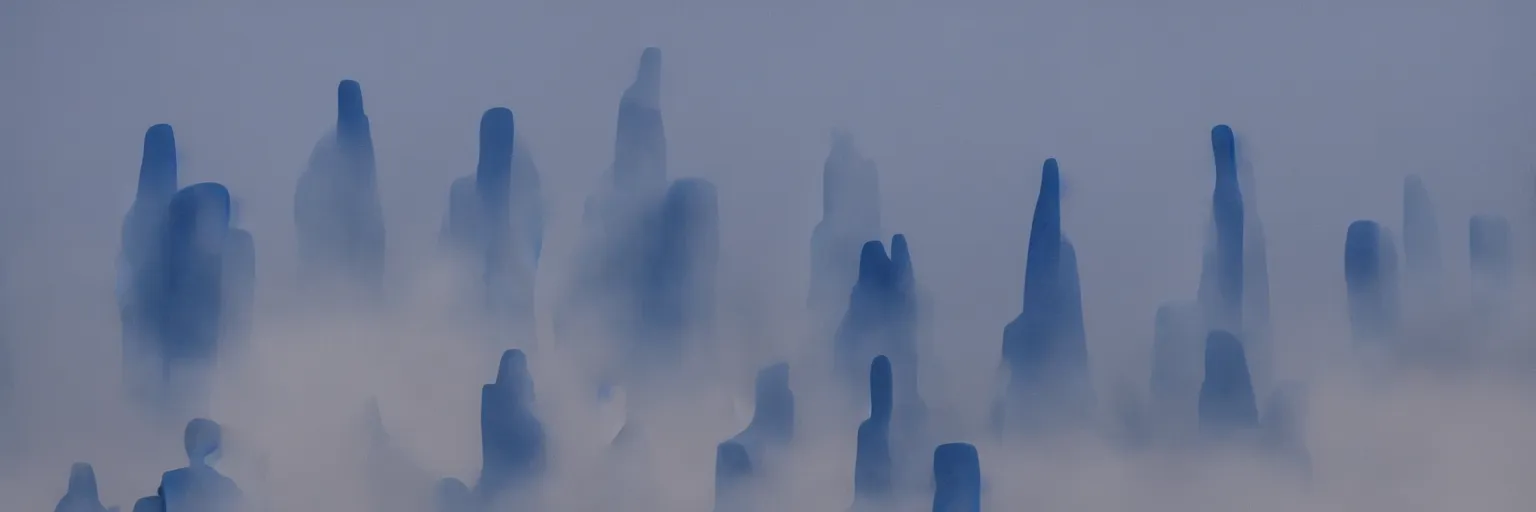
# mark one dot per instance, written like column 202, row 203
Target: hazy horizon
column 1335, row 102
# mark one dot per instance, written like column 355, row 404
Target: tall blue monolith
column 640, row 142
column 512, row 438
column 1044, row 347
column 337, row 213
column 1223, row 307
column 872, row 469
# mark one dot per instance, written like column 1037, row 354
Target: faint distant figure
column 1177, row 352
column 1257, row 332
column 394, row 482
column 451, row 495
column 1226, row 402
column 199, row 487
column 1421, row 231
column 956, row 478
column 733, row 475
column 511, row 437
column 81, row 495
column 1492, row 254
column 1371, row 279
column 872, row 457
column 1283, row 433
column 640, row 141
column 773, row 414
column 850, row 216
column 337, row 213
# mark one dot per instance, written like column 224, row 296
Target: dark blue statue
column 850, row 206
column 1370, row 275
column 199, row 487
column 511, row 437
column 733, row 474
column 872, row 459
column 81, row 495
column 336, row 211
column 1226, row 395
column 956, row 478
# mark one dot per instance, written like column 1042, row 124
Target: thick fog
column 957, row 105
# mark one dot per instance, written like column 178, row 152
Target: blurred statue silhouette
column 336, row 211
column 81, row 495
column 199, row 487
